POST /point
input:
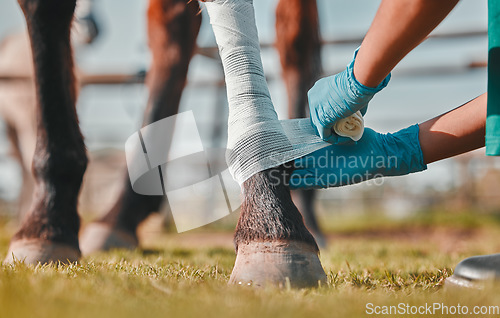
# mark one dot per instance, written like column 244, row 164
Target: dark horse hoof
column 35, row 251
column 101, row 237
column 280, row 264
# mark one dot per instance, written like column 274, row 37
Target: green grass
column 176, row 277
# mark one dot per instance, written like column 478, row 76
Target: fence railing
column 212, row 52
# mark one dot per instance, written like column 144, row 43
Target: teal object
column 493, row 118
column 375, row 155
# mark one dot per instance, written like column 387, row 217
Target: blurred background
column 444, row 72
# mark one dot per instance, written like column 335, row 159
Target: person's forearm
column 456, row 132
column 399, row 26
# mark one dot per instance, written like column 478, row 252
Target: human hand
column 374, row 155
column 336, row 97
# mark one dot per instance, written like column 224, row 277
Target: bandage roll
column 352, row 126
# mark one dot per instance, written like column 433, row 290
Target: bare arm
column 398, row 27
column 453, row 133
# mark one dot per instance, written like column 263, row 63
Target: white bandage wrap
column 257, row 140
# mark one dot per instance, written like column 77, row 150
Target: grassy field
column 185, row 275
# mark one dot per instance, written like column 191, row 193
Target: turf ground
column 369, row 262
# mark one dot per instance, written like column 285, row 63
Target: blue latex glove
column 374, row 155
column 339, row 96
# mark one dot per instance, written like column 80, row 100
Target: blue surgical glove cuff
column 405, row 146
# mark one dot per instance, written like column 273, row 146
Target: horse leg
column 272, row 243
column 49, row 232
column 299, row 46
column 173, row 26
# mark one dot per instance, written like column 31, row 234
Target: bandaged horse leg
column 173, row 26
column 273, row 245
column 299, row 46
column 49, row 232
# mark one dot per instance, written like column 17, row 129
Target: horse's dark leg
column 298, row 43
column 173, row 26
column 272, row 242
column 49, row 232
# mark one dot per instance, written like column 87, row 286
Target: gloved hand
column 339, row 96
column 374, row 155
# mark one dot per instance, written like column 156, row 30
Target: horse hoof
column 280, row 264
column 36, row 251
column 101, row 237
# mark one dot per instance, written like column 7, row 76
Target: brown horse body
column 269, row 223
